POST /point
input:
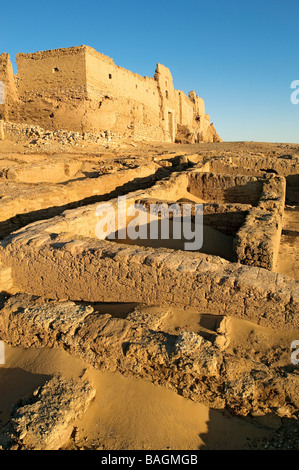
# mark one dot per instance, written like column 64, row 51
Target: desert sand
column 130, row 413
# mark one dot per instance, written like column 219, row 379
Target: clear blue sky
column 239, row 56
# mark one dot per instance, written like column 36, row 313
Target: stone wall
column 203, row 370
column 257, row 241
column 79, row 89
column 7, row 110
column 213, row 187
column 227, row 218
column 43, row 263
column 42, row 258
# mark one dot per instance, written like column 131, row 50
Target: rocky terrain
column 130, row 345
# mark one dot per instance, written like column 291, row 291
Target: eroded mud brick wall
column 79, row 89
column 8, row 108
column 225, row 188
column 120, row 100
column 52, row 88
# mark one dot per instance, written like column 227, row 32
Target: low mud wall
column 226, row 218
column 61, row 266
column 257, row 241
column 61, row 258
column 22, row 205
column 225, row 188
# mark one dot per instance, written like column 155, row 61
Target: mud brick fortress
column 79, row 89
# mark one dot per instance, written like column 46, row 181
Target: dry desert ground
column 140, row 344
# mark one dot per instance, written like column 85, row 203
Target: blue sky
column 239, row 56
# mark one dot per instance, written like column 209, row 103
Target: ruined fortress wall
column 79, row 89
column 104, row 77
column 184, row 109
column 190, row 111
column 51, row 72
column 199, row 104
column 10, row 91
column 120, row 99
column 167, row 100
column 52, row 88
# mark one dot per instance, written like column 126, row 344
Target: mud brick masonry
column 81, row 90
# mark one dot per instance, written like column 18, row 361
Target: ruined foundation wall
column 42, row 258
column 23, row 206
column 102, row 271
column 226, row 218
column 282, row 165
column 257, row 241
column 225, row 188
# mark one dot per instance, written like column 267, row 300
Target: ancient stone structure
column 79, row 89
column 214, row 325
column 247, row 207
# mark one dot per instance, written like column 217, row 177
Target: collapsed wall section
column 42, row 258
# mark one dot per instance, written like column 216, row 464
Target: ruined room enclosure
column 213, row 326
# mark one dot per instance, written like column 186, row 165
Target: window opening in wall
column 110, row 76
column 166, row 94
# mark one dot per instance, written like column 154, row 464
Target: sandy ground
column 126, row 413
column 129, row 413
